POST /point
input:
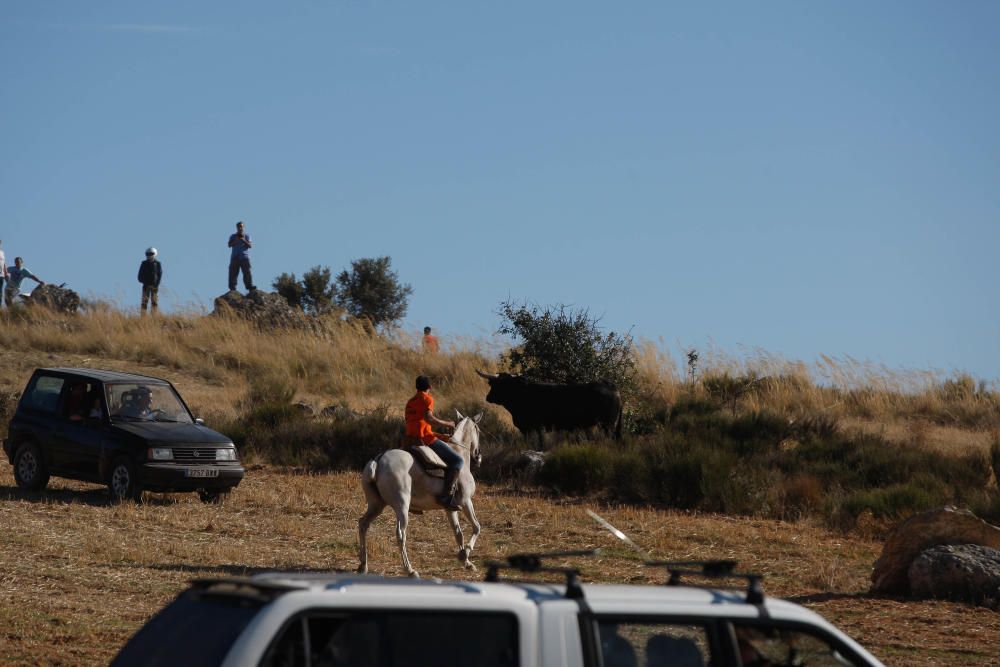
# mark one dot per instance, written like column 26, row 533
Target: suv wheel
column 30, row 471
column 212, row 497
column 123, row 481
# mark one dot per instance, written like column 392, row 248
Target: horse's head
column 467, row 435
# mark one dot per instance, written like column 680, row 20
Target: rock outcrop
column 959, row 572
column 55, row 297
column 920, row 532
column 266, row 309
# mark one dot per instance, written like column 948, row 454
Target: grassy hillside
column 858, row 446
column 794, row 471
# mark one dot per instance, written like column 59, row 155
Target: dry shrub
column 803, row 493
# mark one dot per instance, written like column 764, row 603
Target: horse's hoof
column 362, row 570
column 414, row 574
column 469, row 566
column 463, row 555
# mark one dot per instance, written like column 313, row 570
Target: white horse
column 395, row 479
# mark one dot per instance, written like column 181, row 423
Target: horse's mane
column 459, row 433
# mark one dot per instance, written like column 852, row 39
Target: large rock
column 946, row 525
column 56, row 297
column 266, row 309
column 960, row 572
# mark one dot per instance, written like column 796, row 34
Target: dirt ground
column 79, row 576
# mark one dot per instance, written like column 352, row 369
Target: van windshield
column 129, row 401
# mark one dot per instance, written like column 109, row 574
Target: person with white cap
column 150, row 273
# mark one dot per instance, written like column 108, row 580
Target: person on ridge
column 150, row 272
column 420, row 420
column 239, row 258
column 15, row 277
column 430, row 341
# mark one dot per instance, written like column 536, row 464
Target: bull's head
column 503, row 387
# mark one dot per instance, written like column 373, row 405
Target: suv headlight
column 160, row 454
column 228, row 454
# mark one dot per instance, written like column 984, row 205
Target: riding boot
column 447, row 498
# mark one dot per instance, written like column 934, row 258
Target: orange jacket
column 417, row 425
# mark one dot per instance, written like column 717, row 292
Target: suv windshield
column 129, row 401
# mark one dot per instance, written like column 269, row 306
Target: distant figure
column 150, row 272
column 239, row 259
column 3, row 273
column 430, row 341
column 15, row 277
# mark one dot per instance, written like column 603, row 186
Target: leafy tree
column 559, row 344
column 371, row 289
column 313, row 294
column 317, row 292
column 288, row 286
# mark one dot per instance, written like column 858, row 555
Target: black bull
column 540, row 406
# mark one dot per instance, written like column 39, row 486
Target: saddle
column 424, row 455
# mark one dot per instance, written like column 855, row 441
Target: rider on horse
column 420, row 420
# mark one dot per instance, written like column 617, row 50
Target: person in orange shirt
column 430, row 341
column 420, row 422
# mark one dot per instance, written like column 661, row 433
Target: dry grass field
column 79, row 575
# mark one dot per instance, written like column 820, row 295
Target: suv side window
column 627, row 643
column 43, row 394
column 323, row 638
column 760, row 645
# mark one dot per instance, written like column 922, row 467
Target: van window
column 653, row 644
column 43, row 394
column 322, row 638
column 774, row 645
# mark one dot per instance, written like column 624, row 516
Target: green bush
column 559, row 344
column 896, row 501
column 577, row 469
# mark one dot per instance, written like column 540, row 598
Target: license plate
column 201, row 472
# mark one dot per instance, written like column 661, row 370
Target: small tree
column 288, row 286
column 372, row 290
column 559, row 344
column 317, row 292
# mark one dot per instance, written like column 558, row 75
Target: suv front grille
column 195, row 454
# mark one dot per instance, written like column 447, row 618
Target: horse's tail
column 368, row 472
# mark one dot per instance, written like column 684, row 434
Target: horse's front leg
column 463, row 551
column 470, row 514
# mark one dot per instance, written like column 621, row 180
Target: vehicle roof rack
column 533, row 563
column 720, row 569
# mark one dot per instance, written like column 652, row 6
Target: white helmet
column 150, row 252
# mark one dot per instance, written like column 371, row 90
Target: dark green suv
column 131, row 432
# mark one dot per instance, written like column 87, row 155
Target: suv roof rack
column 533, row 563
column 719, row 569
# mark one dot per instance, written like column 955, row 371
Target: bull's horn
column 486, row 376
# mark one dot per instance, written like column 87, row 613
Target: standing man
column 14, row 278
column 420, row 422
column 150, row 273
column 239, row 259
column 3, row 273
column 430, row 341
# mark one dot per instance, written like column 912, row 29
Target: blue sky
column 804, row 178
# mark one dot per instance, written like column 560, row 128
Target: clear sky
column 803, row 177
